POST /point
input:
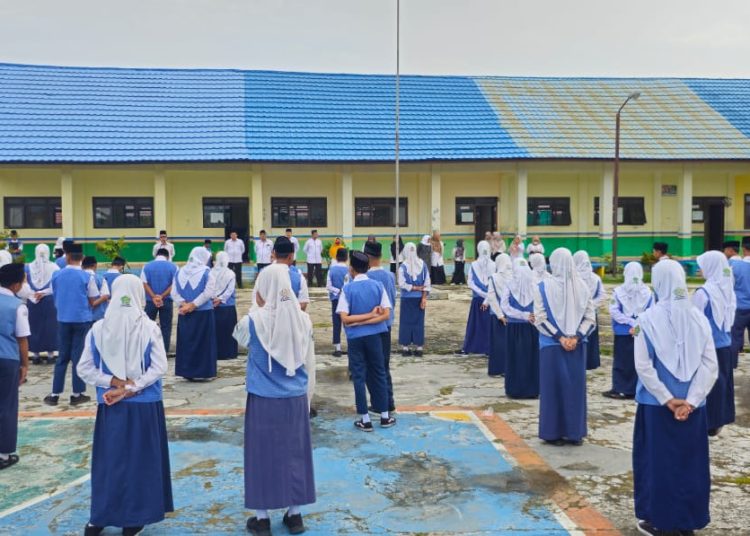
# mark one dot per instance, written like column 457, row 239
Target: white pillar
column 347, row 207
column 160, row 201
column 256, row 202
column 729, row 212
column 685, row 193
column 522, row 190
column 605, row 204
column 435, row 202
column 67, row 202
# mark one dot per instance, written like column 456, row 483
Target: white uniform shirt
column 263, row 250
column 314, row 251
column 168, row 246
column 295, row 243
column 234, row 249
column 22, row 316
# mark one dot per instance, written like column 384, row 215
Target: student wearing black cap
column 99, row 307
column 75, row 294
column 14, row 358
column 731, row 249
column 365, row 309
column 62, row 260
column 338, row 275
column 741, row 273
column 283, row 253
column 660, row 250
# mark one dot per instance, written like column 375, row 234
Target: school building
column 92, row 153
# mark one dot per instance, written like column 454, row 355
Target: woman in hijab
column 539, row 267
column 564, row 316
column 716, row 299
column 124, row 358
column 459, row 261
column 477, row 339
column 278, row 445
column 424, row 251
column 587, row 275
column 535, row 246
column 516, row 249
column 497, row 244
column 437, row 265
column 498, row 320
column 371, row 239
column 414, row 282
column 338, row 244
column 397, row 252
column 676, row 364
column 225, row 313
column 629, row 301
column 41, row 305
column 522, row 363
column 193, row 292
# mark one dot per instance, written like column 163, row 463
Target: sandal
column 12, row 460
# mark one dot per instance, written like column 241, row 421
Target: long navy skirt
column 624, row 376
column 10, row 370
column 43, row 324
column 477, row 339
column 522, row 362
column 562, row 393
column 498, row 347
column 226, row 319
column 196, row 345
column 131, row 484
column 278, row 453
column 411, row 322
column 593, row 359
column 671, row 472
column 720, row 402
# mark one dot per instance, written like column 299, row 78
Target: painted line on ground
column 45, row 496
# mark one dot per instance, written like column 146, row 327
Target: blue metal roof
column 73, row 114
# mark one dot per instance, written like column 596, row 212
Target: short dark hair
column 162, row 252
column 118, row 261
column 76, row 256
column 12, row 274
column 13, row 232
column 342, row 254
column 207, row 241
column 288, row 230
column 313, row 231
column 262, row 231
column 661, row 246
column 89, row 261
column 162, row 232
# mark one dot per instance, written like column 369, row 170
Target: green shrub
column 111, row 248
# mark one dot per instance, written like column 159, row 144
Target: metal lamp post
column 398, row 118
column 616, row 198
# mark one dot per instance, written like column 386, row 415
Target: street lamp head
column 635, row 95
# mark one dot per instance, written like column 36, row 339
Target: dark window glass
column 123, row 212
column 218, row 211
column 552, row 211
column 299, row 212
column 631, row 211
column 747, row 211
column 465, row 208
column 33, row 212
column 380, row 211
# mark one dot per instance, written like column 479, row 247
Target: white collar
column 74, row 266
column 89, row 271
column 6, row 291
column 160, row 258
column 113, row 271
column 375, row 268
column 360, row 277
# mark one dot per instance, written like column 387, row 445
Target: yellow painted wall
column 32, row 182
column 468, row 184
column 742, row 187
column 380, row 183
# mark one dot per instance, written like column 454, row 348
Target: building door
column 231, row 213
column 713, row 232
column 485, row 219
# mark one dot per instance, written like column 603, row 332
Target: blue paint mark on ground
column 424, row 476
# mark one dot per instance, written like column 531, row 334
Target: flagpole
column 398, row 117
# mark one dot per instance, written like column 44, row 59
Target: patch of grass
column 447, row 390
column 743, row 480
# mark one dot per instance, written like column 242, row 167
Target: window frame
column 389, row 203
column 621, row 201
column 227, row 203
column 52, row 205
column 532, row 218
column 473, row 203
column 116, row 203
column 293, row 219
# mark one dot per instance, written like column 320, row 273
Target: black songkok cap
column 283, row 246
column 746, row 242
column 66, row 245
column 342, row 254
column 374, row 249
column 12, row 273
column 360, row 262
column 661, row 246
column 734, row 244
column 73, row 248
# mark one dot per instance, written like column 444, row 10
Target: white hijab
column 497, row 244
column 59, row 242
column 521, row 285
column 124, row 333
column 414, row 265
column 5, row 257
column 719, row 287
column 222, row 274
column 483, row 266
column 539, row 266
column 676, row 329
column 426, row 240
column 633, row 294
column 503, row 271
column 196, row 266
column 41, row 269
column 586, row 271
column 284, row 330
column 567, row 295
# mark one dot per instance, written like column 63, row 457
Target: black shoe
column 294, row 523
column 337, row 353
column 313, row 413
column 259, row 527
column 131, row 531
column 51, row 400
column 574, row 442
column 418, row 353
column 555, row 442
column 36, row 360
column 615, row 395
column 92, row 530
column 10, row 461
column 460, row 353
column 687, row 533
column 405, row 353
column 387, row 423
column 644, row 527
column 364, row 426
column 713, row 432
column 80, row 399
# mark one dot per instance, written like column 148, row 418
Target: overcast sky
column 502, row 37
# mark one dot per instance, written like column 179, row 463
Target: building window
column 123, row 212
column 548, row 211
column 223, row 212
column 631, row 211
column 701, row 204
column 33, row 213
column 380, row 211
column 466, row 207
column 299, row 212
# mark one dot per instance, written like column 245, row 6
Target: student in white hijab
column 477, row 339
column 424, row 251
column 564, row 315
column 629, row 300
column 716, row 299
column 415, row 284
column 41, row 305
column 124, row 358
column 498, row 321
column 193, row 292
column 596, row 288
column 497, row 244
column 5, row 257
column 516, row 249
column 279, row 336
column 676, row 363
column 225, row 312
column 539, row 266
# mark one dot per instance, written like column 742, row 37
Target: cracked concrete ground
column 599, row 470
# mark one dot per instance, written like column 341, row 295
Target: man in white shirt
column 235, row 248
column 263, row 250
column 314, row 253
column 295, row 243
column 163, row 243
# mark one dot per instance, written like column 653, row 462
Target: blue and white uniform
column 14, row 323
column 477, row 338
column 42, row 312
column 159, row 276
column 413, row 272
column 594, row 282
column 498, row 323
column 225, row 312
column 338, row 276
